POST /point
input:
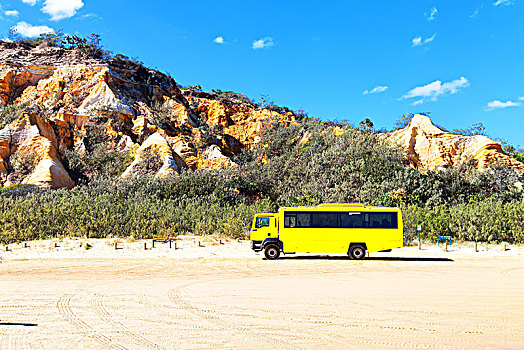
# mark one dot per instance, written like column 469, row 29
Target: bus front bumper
column 256, row 245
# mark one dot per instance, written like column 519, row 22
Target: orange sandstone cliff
column 144, row 112
column 430, row 148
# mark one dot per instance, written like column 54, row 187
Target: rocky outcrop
column 163, row 157
column 24, row 149
column 429, row 147
column 143, row 112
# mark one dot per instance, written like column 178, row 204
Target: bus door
column 266, row 227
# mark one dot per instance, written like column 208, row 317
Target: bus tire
column 357, row 251
column 272, row 252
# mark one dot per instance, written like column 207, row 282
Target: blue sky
column 346, row 60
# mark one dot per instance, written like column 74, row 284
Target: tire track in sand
column 64, row 308
column 98, row 306
column 10, row 340
column 245, row 334
column 177, row 320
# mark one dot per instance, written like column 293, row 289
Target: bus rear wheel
column 272, row 252
column 357, row 252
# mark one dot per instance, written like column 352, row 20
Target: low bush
column 125, row 208
column 10, row 113
column 487, row 220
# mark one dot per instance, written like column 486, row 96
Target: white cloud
column 263, row 43
column 431, row 38
column 60, row 9
column 417, row 102
column 219, row 40
column 475, row 13
column 496, row 104
column 431, row 14
column 29, row 2
column 13, row 13
column 377, row 89
column 31, row 31
column 417, row 41
column 503, row 2
column 435, row 89
column 89, row 16
column 521, row 98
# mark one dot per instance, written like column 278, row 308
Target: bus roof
column 338, row 206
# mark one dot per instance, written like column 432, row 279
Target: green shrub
column 10, row 113
column 486, row 220
column 98, row 156
column 125, row 208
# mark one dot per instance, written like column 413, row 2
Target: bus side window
column 352, row 220
column 303, row 219
column 324, row 220
column 262, row 222
column 383, row 220
column 290, row 221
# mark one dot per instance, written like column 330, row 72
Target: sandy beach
column 224, row 296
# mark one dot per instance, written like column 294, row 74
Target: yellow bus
column 352, row 229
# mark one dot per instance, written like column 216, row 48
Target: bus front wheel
column 357, row 252
column 272, row 252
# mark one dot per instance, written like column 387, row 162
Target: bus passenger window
column 352, row 220
column 324, row 220
column 303, row 219
column 289, row 221
column 383, row 220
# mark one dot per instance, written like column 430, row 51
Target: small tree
column 475, row 129
column 366, row 124
column 404, row 120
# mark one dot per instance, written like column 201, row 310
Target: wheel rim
column 272, row 252
column 358, row 253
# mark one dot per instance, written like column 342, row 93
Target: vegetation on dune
column 482, row 220
column 97, row 155
column 89, row 45
column 141, row 208
column 300, row 164
column 10, row 113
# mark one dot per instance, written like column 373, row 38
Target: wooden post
column 116, row 245
column 145, row 245
column 25, row 245
column 56, row 245
column 419, row 229
column 476, row 250
column 6, row 248
column 446, row 248
column 199, row 244
column 176, row 246
column 505, row 246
